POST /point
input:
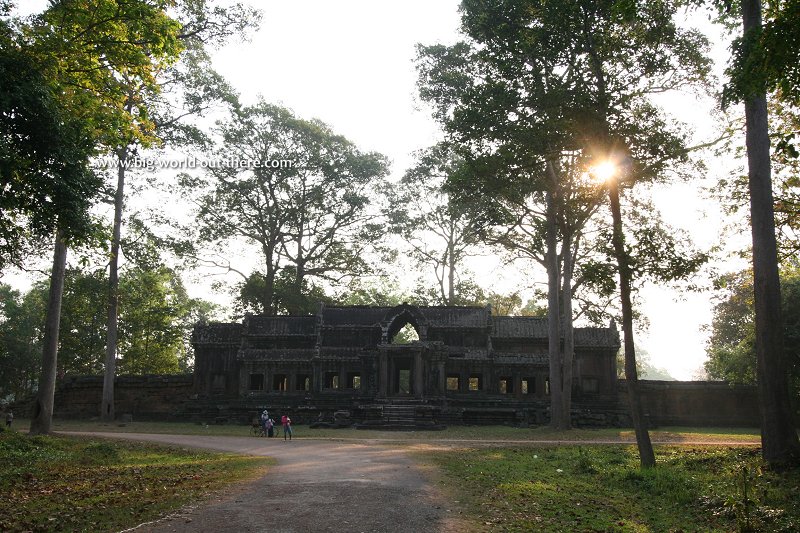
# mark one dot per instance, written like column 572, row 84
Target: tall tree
column 440, row 232
column 541, row 82
column 45, row 180
column 90, row 50
column 304, row 196
column 760, row 63
column 176, row 93
column 646, row 454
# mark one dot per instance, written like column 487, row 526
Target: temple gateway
column 352, row 365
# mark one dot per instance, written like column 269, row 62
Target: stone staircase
column 401, row 415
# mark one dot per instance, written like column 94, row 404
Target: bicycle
column 256, row 429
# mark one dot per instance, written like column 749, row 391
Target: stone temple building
column 345, row 364
column 353, row 366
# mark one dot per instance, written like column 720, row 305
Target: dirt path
column 329, row 485
column 317, row 485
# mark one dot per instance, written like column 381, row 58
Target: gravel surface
column 317, row 485
column 329, row 485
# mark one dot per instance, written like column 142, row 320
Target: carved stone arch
column 397, row 317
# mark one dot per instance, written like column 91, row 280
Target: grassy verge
column 87, row 484
column 601, row 488
column 672, row 435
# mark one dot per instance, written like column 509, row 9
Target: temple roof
column 217, row 333
column 432, row 316
column 599, row 337
column 280, row 325
column 356, row 315
column 460, row 317
column 519, row 327
column 527, row 327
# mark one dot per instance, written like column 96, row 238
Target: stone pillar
column 316, row 376
column 383, row 374
column 518, row 385
column 244, row 380
column 442, row 385
column 418, row 388
column 342, row 377
column 490, row 382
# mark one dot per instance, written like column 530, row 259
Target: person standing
column 264, row 420
column 287, row 427
column 9, row 419
column 270, row 427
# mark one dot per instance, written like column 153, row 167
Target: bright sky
column 350, row 64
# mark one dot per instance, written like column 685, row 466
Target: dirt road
column 316, row 486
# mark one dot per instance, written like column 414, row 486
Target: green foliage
column 382, row 292
column 785, row 135
column 156, row 316
column 601, row 488
column 315, row 214
column 511, row 305
column 86, row 484
column 45, row 147
column 767, row 60
column 538, row 78
column 82, row 335
column 734, row 194
column 152, row 328
column 439, row 231
column 644, row 366
column 406, row 335
column 537, row 93
column 731, row 346
column 66, row 77
column 251, row 292
column 656, row 252
column 99, row 49
column 466, row 291
column 21, row 321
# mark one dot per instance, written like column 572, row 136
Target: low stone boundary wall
column 696, row 403
column 666, row 403
column 151, row 397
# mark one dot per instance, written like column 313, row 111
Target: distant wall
column 696, row 403
column 145, row 397
column 666, row 403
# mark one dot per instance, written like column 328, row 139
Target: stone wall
column 666, row 403
column 144, row 397
column 697, row 403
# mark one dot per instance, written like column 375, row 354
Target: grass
column 521, row 484
column 504, row 433
column 601, row 488
column 54, row 483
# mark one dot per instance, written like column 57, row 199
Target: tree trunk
column 646, row 455
column 568, row 332
column 300, row 274
column 451, row 273
column 268, row 302
column 553, row 317
column 43, row 410
column 107, row 404
column 779, row 442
